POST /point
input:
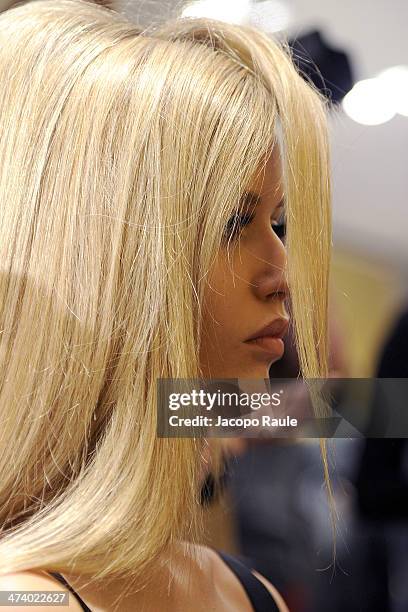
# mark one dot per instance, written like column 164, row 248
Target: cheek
column 225, row 302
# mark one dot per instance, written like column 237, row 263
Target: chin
column 256, row 370
column 253, row 373
column 263, row 374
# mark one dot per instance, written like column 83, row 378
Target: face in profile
column 247, row 292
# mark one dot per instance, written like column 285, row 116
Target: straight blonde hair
column 123, row 152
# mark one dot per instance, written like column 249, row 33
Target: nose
column 270, row 282
column 271, row 286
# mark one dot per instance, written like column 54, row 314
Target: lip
column 269, row 345
column 276, row 329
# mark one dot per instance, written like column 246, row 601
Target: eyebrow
column 249, row 200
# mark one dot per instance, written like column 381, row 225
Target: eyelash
column 238, row 221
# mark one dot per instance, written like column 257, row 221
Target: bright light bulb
column 369, row 102
column 395, row 80
column 230, row 11
column 270, row 15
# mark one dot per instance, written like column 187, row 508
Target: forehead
column 268, row 180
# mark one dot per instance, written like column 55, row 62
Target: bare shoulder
column 222, row 574
column 36, row 580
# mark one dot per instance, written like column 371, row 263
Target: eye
column 236, row 223
column 279, row 226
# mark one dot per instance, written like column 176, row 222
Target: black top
column 259, row 596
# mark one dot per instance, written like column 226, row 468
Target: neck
column 180, row 569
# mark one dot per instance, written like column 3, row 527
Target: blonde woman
column 143, row 174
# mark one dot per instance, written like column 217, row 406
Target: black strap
column 61, row 578
column 259, row 596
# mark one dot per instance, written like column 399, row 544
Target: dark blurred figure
column 382, row 483
column 329, row 68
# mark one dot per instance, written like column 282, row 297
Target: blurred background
column 272, row 510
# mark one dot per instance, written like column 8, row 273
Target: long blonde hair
column 122, row 154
